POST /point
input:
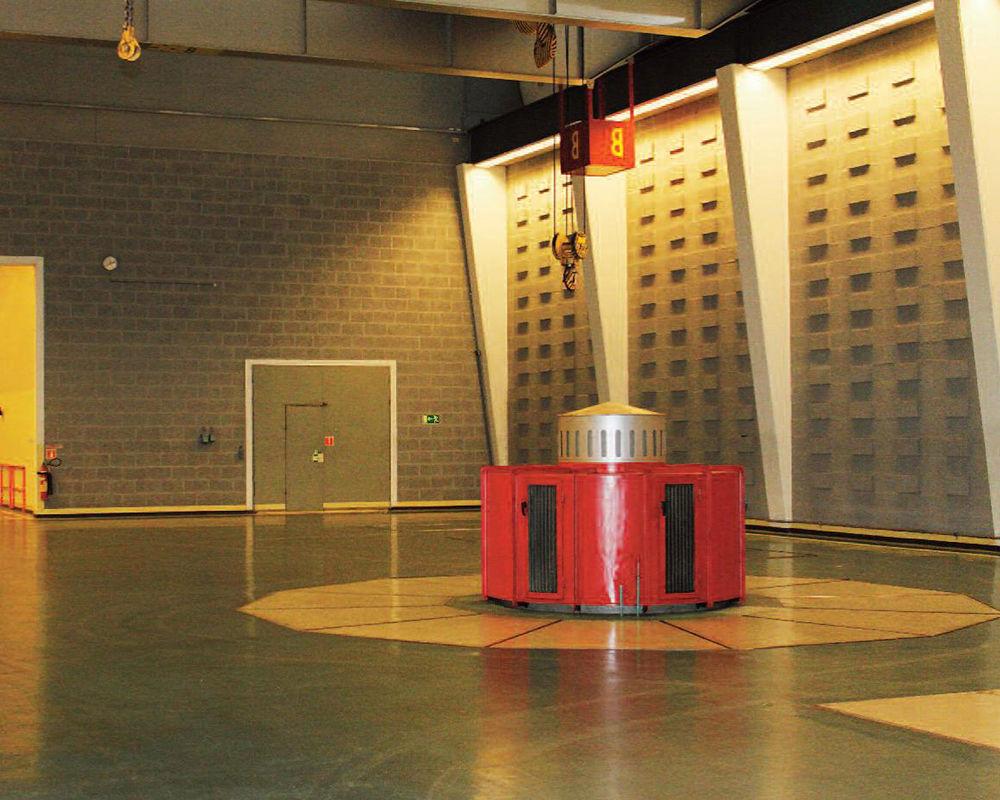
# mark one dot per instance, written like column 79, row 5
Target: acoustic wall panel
column 689, row 354
column 551, row 359
column 887, row 431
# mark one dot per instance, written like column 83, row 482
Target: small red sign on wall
column 328, row 441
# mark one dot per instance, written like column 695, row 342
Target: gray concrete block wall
column 226, row 257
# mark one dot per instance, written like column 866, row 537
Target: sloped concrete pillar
column 755, row 127
column 605, row 279
column 968, row 32
column 483, row 194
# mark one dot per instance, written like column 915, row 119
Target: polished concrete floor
column 126, row 671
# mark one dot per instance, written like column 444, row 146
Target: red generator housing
column 613, row 535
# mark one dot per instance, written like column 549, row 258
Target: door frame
column 250, row 363
column 39, row 264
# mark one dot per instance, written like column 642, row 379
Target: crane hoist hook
column 128, row 45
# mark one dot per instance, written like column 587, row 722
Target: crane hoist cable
column 570, row 246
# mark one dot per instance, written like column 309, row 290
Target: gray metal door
column 358, row 414
column 354, row 435
column 304, row 456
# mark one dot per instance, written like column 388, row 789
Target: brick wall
column 226, row 257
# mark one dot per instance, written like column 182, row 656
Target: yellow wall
column 17, row 371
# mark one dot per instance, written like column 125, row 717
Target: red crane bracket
column 596, row 145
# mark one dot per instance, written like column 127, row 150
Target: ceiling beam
column 395, row 66
column 660, row 17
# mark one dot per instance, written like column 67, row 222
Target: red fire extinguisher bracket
column 45, row 483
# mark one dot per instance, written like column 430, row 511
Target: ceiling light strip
column 521, row 153
column 796, row 55
column 863, row 30
column 692, row 92
column 642, row 110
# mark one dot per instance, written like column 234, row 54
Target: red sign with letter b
column 597, row 147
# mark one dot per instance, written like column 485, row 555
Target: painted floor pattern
column 970, row 717
column 779, row 612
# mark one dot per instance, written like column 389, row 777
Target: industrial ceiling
column 470, row 38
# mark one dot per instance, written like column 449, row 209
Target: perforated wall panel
column 887, row 427
column 689, row 354
column 887, row 430
column 551, row 361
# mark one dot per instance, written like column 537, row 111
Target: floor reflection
column 22, row 637
column 126, row 671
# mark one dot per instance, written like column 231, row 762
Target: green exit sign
column 432, row 419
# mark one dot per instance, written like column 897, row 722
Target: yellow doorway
column 20, row 371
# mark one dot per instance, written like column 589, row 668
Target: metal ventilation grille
column 543, row 570
column 678, row 511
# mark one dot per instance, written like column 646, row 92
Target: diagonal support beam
column 755, row 125
column 968, row 31
column 605, row 280
column 483, row 194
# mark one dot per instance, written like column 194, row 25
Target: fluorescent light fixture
column 521, row 153
column 863, row 30
column 669, row 100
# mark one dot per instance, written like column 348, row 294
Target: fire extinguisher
column 45, row 484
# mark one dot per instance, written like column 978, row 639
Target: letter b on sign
column 618, row 142
column 576, row 145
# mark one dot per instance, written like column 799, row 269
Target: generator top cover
column 612, row 433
